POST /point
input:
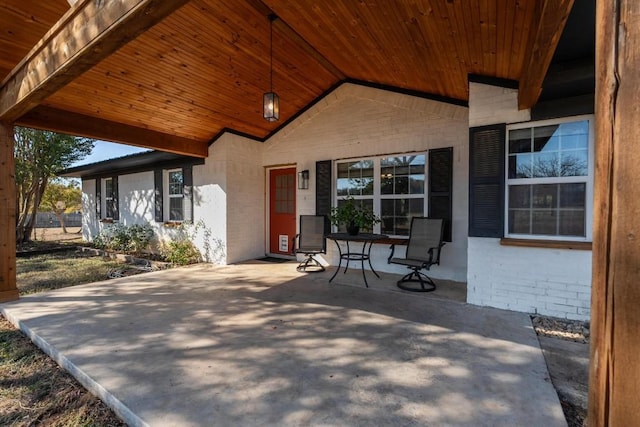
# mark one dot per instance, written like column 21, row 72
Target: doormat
column 273, row 259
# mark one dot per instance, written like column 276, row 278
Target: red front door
column 282, row 210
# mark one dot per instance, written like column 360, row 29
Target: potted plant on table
column 353, row 216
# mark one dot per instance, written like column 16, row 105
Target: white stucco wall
column 358, row 121
column 210, row 202
column 90, row 224
column 136, row 201
column 555, row 282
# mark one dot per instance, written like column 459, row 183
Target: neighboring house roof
column 131, row 163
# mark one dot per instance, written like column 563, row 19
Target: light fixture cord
column 271, row 55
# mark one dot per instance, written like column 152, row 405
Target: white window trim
column 532, row 181
column 167, row 196
column 106, row 198
column 377, row 196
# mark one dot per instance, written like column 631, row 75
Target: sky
column 103, row 150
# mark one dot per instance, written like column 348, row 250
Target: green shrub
column 119, row 237
column 139, row 237
column 181, row 252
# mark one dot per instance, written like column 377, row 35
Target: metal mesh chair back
column 312, row 233
column 425, row 233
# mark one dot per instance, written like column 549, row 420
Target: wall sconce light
column 303, row 180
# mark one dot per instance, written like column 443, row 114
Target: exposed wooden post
column 8, row 288
column 614, row 383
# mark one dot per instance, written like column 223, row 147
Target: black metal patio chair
column 311, row 242
column 423, row 251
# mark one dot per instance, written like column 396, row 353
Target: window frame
column 587, row 179
column 377, row 196
column 168, row 196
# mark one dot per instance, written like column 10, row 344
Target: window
column 175, row 195
column 549, row 180
column 392, row 186
column 110, row 199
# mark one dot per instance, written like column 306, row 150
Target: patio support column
column 8, row 288
column 614, row 382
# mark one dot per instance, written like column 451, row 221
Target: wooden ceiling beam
column 78, row 124
column 545, row 34
column 88, row 33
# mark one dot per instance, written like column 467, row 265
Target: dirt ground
column 57, row 235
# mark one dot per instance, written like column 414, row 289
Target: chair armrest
column 293, row 244
column 393, row 249
column 438, row 250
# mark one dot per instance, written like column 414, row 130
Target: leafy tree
column 61, row 196
column 39, row 156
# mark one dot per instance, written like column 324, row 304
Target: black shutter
column 116, row 204
column 323, row 191
column 98, row 198
column 440, row 186
column 486, row 180
column 157, row 186
column 187, row 188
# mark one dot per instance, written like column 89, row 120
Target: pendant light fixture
column 270, row 100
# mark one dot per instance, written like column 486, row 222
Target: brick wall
column 536, row 280
column 554, row 282
column 358, row 121
column 490, row 103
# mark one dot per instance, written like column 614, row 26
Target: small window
column 175, row 195
column 109, row 199
column 549, row 180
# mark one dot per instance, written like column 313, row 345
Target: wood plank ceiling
column 204, row 68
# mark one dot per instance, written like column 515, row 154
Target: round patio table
column 367, row 240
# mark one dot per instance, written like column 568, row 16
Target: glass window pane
column 343, row 170
column 416, row 184
column 417, row 164
column 175, row 182
column 545, row 165
column 544, row 222
column 546, row 138
column 366, row 167
column 401, row 185
column 575, row 135
column 520, row 166
column 520, row 141
column 386, row 207
column 343, row 186
column 572, row 223
column 416, row 207
column 545, row 196
column 386, row 184
column 367, row 186
column 175, row 209
column 519, row 221
column 573, row 142
column 574, row 163
column 519, row 196
column 108, row 187
column 573, row 195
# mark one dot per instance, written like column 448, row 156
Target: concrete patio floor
column 259, row 344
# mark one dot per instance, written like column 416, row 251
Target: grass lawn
column 61, row 269
column 34, row 390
